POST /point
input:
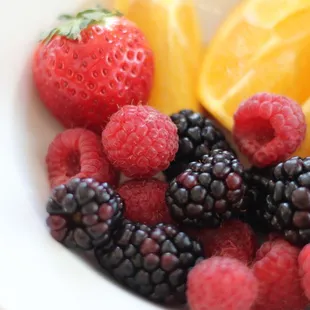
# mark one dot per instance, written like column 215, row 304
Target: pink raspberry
column 304, row 269
column 276, row 269
column 221, row 283
column 78, row 153
column 233, row 239
column 140, row 141
column 145, row 201
column 268, row 128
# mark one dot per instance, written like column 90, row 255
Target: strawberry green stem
column 72, row 25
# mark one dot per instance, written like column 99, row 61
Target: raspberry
column 145, row 201
column 268, row 128
column 221, row 283
column 233, row 239
column 77, row 153
column 276, row 269
column 140, row 141
column 304, row 269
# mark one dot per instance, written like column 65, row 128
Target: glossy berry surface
column 255, row 198
column 288, row 201
column 83, row 213
column 208, row 191
column 151, row 261
column 91, row 65
column 197, row 136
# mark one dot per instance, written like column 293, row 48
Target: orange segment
column 262, row 46
column 121, row 6
column 244, row 41
column 172, row 30
column 267, row 14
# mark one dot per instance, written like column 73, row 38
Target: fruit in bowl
column 174, row 35
column 91, row 64
column 190, row 237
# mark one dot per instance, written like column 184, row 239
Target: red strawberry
column 90, row 65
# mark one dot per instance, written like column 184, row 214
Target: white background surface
column 36, row 273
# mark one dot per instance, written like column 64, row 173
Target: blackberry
column 288, row 200
column 197, row 137
column 257, row 181
column 152, row 261
column 208, row 191
column 83, row 213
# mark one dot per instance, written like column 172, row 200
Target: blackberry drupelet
column 152, row 261
column 257, row 182
column 208, row 191
column 197, row 137
column 288, row 200
column 83, row 213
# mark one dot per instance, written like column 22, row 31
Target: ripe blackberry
column 288, row 200
column 208, row 191
column 83, row 213
column 257, row 181
column 152, row 261
column 197, row 137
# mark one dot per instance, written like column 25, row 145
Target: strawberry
column 90, row 65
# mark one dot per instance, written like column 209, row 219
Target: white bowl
column 37, row 273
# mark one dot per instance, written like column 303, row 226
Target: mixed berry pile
column 210, row 232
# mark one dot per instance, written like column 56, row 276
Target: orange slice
column 172, row 30
column 121, row 5
column 264, row 45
